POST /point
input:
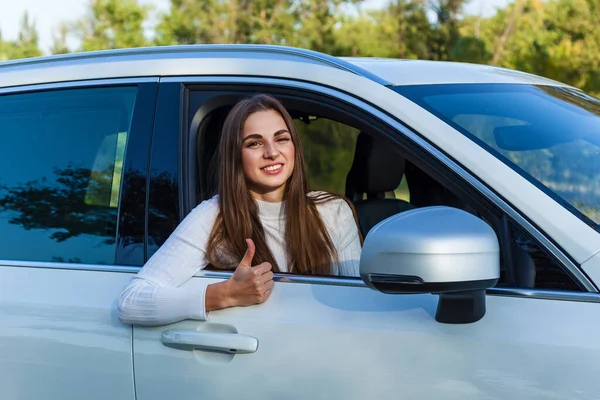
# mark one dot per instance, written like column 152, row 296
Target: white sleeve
column 347, row 240
column 157, row 295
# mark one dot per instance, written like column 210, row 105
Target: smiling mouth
column 273, row 168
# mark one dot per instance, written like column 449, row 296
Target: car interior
column 376, row 171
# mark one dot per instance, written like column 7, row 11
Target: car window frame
column 138, row 138
column 412, row 141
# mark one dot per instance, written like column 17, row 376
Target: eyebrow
column 259, row 136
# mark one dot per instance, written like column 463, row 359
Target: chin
column 268, row 188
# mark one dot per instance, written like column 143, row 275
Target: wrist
column 218, row 295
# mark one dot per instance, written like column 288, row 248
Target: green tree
column 26, row 44
column 470, row 49
column 59, row 43
column 232, row 21
column 110, row 24
column 5, row 49
column 445, row 35
column 401, row 30
column 405, row 29
column 316, row 23
column 557, row 39
column 308, row 24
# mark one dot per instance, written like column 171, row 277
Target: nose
column 271, row 150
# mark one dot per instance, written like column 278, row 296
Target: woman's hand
column 247, row 286
column 250, row 285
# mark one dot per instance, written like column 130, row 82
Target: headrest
column 376, row 168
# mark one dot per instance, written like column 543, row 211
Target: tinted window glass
column 550, row 135
column 548, row 273
column 61, row 156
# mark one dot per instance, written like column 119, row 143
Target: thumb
column 249, row 255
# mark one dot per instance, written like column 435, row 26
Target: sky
column 48, row 14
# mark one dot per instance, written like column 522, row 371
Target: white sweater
column 155, row 295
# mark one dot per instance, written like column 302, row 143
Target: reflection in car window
column 551, row 135
column 61, row 156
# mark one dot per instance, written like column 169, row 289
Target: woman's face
column 267, row 155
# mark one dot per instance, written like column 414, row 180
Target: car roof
column 156, row 61
column 422, row 72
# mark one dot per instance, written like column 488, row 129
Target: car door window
column 328, row 152
column 330, row 148
column 61, row 153
column 344, row 156
column 530, row 265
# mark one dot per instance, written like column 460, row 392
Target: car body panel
column 143, row 62
column 60, row 337
column 322, row 342
column 592, row 267
column 209, row 59
column 423, row 72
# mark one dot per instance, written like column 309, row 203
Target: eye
column 283, row 139
column 252, row 144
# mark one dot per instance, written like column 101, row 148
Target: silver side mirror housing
column 434, row 250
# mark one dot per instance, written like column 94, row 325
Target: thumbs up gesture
column 250, row 285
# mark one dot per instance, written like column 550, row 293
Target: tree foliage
column 26, row 44
column 553, row 38
column 109, row 24
column 308, row 24
column 62, row 206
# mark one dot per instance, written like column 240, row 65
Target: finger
column 249, row 255
column 267, row 294
column 262, row 268
column 266, row 277
column 269, row 286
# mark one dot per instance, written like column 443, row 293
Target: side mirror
column 434, row 250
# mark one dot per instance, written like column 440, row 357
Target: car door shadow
column 363, row 299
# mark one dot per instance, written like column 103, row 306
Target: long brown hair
column 310, row 249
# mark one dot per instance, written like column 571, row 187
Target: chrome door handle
column 187, row 339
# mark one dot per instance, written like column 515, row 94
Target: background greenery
column 554, row 38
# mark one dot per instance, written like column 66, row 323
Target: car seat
column 376, row 170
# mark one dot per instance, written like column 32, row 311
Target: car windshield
column 550, row 135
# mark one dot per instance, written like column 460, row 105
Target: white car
column 477, row 189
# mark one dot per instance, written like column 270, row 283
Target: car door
column 73, row 158
column 336, row 338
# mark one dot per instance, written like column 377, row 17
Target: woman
column 263, row 220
